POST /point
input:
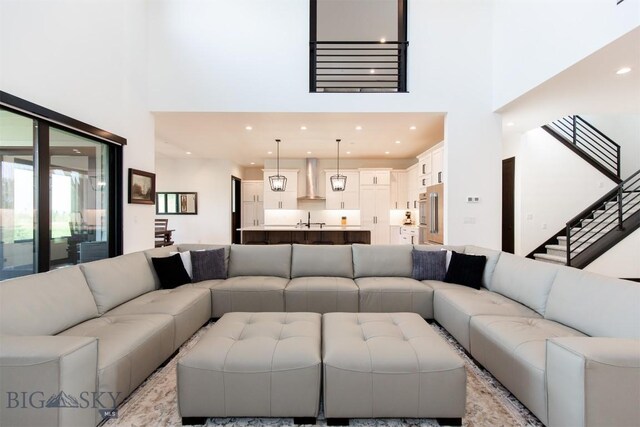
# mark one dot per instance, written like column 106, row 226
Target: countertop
column 313, row 228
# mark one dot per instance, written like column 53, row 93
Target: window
column 77, row 218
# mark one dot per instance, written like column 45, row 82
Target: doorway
column 236, row 209
column 508, row 204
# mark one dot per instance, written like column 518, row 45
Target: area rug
column 155, row 403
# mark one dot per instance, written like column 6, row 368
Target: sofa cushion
column 186, row 261
column 208, row 265
column 189, row 306
column 597, row 305
column 46, row 303
column 513, row 349
column 382, row 260
column 466, row 270
column 492, row 260
column 130, row 348
column 170, row 271
column 321, row 260
column 321, row 295
column 395, row 294
column 248, row 293
column 160, row 252
column 117, row 280
column 429, row 265
column 188, row 247
column 524, row 280
column 454, row 308
column 253, row 260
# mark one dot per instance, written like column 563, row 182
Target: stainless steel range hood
column 312, row 179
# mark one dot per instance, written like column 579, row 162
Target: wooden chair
column 163, row 234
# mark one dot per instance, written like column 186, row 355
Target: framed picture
column 142, row 187
column 170, row 203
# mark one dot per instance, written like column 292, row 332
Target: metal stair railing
column 591, row 141
column 627, row 199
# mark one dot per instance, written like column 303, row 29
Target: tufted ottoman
column 389, row 365
column 253, row 365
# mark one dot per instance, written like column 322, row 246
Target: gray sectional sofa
column 565, row 342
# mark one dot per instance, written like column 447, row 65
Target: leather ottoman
column 253, row 365
column 389, row 365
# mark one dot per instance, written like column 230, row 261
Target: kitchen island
column 314, row 235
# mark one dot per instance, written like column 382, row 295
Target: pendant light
column 338, row 182
column 278, row 182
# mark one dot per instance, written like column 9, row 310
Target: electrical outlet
column 529, row 217
column 473, row 199
column 469, row 220
column 544, row 226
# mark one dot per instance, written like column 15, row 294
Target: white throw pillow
column 186, row 260
column 448, row 261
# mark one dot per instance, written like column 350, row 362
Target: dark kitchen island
column 315, row 235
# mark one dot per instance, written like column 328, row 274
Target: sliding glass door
column 17, row 201
column 61, row 195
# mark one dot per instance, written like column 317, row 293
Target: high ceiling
column 225, row 135
column 590, row 86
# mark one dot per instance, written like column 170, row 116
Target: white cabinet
column 408, row 235
column 342, row 200
column 424, row 164
column 375, row 177
column 252, row 203
column 437, row 166
column 412, row 187
column 374, row 212
column 399, row 190
column 252, row 191
column 281, row 199
column 394, row 235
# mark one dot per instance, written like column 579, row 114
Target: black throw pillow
column 429, row 265
column 208, row 265
column 466, row 270
column 171, row 271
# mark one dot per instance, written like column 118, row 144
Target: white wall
column 621, row 260
column 86, row 60
column 536, row 39
column 211, row 179
column 202, row 59
column 552, row 185
column 625, row 131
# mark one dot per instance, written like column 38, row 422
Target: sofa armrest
column 48, row 380
column 593, row 381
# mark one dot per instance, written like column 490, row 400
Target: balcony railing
column 358, row 66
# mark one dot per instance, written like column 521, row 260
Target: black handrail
column 627, row 196
column 372, row 66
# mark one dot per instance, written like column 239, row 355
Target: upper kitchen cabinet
column 343, row 200
column 287, row 199
column 430, row 167
column 412, row 186
column 399, row 190
column 252, row 191
column 437, row 166
column 375, row 177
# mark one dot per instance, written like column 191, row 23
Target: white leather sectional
column 564, row 341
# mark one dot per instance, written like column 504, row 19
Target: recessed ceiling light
column 253, row 163
column 510, row 124
column 303, row 127
column 386, row 152
column 248, row 127
column 269, row 152
column 372, row 71
column 397, row 142
column 348, row 152
column 383, row 40
column 308, row 152
column 412, row 128
column 358, row 127
column 623, row 70
column 188, row 152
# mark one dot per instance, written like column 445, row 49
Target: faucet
column 309, row 219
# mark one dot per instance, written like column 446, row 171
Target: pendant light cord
column 278, row 157
column 338, row 141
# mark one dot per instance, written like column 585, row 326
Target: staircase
column 607, row 221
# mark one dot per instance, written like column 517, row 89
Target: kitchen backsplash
column 330, row 217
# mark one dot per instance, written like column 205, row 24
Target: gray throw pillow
column 208, row 265
column 429, row 265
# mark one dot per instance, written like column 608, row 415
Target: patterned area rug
column 155, row 403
